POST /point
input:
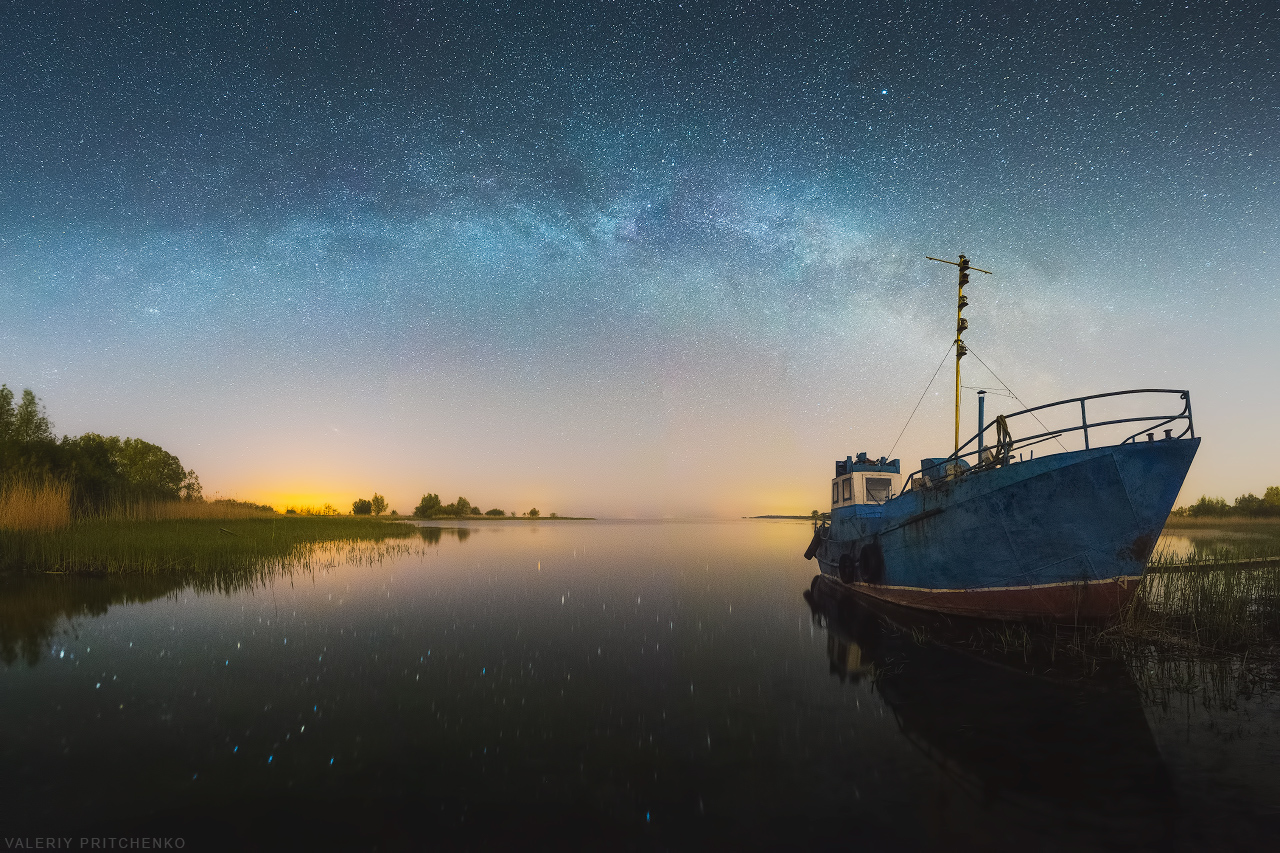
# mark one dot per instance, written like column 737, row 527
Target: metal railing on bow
column 1000, row 452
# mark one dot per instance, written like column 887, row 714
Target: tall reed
column 145, row 510
column 1213, row 609
column 28, row 503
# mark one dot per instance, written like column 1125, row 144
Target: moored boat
column 984, row 532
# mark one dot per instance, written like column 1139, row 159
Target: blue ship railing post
column 1084, row 422
column 982, row 399
column 1186, row 395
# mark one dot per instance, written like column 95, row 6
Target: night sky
column 629, row 258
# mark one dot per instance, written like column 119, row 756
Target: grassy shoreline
column 185, row 545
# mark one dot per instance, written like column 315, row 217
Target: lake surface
column 649, row 685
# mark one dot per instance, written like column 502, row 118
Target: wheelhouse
column 865, row 482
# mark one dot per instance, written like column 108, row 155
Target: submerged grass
column 222, row 546
column 1228, row 609
column 1222, row 596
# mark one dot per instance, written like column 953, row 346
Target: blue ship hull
column 1065, row 536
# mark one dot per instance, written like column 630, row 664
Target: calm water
column 657, row 685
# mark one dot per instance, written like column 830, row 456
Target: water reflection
column 1022, row 724
column 635, row 685
column 432, row 534
column 33, row 608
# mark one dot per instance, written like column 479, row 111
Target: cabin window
column 835, row 492
column 878, row 489
column 848, row 488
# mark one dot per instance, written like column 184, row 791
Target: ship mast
column 961, row 324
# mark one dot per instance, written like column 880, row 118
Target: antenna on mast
column 961, row 324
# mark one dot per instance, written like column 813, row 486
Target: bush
column 496, row 513
column 232, row 503
column 533, row 513
column 360, row 506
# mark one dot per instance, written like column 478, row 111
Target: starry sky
column 629, row 258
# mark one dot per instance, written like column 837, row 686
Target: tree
column 496, row 513
column 1249, row 504
column 152, row 471
column 6, row 412
column 1208, row 506
column 102, row 469
column 27, row 422
column 378, row 504
column 27, row 445
column 533, row 513
column 361, row 506
column 462, row 506
column 427, row 507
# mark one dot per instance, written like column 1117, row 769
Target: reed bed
column 1216, row 541
column 177, row 510
column 1232, row 609
column 34, row 504
column 217, row 547
column 1220, row 596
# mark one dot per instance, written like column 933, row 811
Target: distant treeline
column 99, row 470
column 431, row 507
column 1246, row 506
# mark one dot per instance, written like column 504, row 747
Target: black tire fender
column 871, row 562
column 848, row 567
column 813, row 545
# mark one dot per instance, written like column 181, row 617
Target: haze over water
column 665, row 684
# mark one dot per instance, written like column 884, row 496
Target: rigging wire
column 1016, row 397
column 988, row 390
column 921, row 400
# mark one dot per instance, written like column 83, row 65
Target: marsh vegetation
column 186, row 545
column 1211, row 593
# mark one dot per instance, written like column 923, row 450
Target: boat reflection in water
column 1042, row 739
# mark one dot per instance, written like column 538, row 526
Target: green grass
column 1222, row 540
column 1212, row 609
column 1208, row 601
column 186, row 546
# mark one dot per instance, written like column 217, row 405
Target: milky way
column 625, row 257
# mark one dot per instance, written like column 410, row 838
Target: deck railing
column 1000, row 452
